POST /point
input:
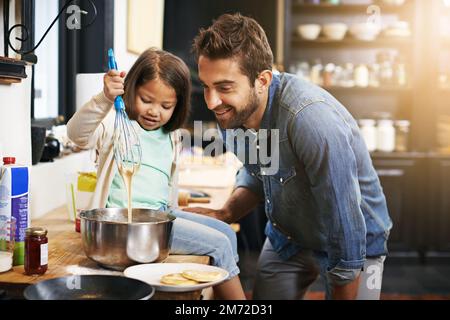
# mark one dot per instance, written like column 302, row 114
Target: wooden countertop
column 66, row 257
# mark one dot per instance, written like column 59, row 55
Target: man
column 326, row 210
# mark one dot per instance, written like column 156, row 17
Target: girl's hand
column 113, row 84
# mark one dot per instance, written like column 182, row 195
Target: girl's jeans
column 201, row 235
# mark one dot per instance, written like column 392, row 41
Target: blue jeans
column 201, row 235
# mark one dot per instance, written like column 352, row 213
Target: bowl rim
column 171, row 217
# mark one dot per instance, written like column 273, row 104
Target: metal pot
column 110, row 241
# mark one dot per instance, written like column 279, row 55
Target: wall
column 124, row 58
column 15, row 102
column 46, row 70
column 15, row 120
column 48, row 182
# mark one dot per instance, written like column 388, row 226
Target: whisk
column 126, row 144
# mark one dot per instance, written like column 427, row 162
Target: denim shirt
column 326, row 195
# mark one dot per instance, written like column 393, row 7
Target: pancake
column 202, row 276
column 176, row 279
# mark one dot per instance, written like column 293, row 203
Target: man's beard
column 240, row 117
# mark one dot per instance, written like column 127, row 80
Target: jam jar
column 36, row 251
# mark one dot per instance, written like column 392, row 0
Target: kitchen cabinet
column 395, row 98
column 403, row 178
column 417, row 189
column 438, row 217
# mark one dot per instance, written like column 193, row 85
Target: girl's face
column 155, row 103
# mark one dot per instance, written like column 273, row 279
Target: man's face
column 227, row 91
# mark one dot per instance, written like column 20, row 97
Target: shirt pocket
column 254, row 171
column 284, row 176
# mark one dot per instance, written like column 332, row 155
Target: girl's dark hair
column 236, row 36
column 158, row 64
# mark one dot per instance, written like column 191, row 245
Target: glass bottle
column 328, row 75
column 385, row 135
column 303, row 70
column 386, row 70
column 400, row 71
column 348, row 77
column 36, row 251
column 401, row 135
column 361, row 76
column 374, row 75
column 316, row 73
column 369, row 133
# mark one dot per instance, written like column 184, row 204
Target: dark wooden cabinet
column 402, row 179
column 438, row 217
column 417, row 189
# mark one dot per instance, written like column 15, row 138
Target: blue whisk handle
column 112, row 65
column 119, row 104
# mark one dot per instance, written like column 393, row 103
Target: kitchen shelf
column 398, row 155
column 420, row 66
column 12, row 69
column 346, row 8
column 369, row 90
column 352, row 42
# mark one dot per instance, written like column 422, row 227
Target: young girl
column 156, row 92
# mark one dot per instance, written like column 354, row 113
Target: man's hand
column 240, row 203
column 346, row 292
column 217, row 214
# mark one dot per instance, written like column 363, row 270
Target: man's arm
column 245, row 197
column 240, row 203
column 323, row 143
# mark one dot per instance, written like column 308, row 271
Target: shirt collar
column 265, row 122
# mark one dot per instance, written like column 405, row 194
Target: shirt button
column 252, row 174
column 281, row 180
column 274, row 224
column 268, row 201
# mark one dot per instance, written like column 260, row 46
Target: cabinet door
column 439, row 213
column 399, row 178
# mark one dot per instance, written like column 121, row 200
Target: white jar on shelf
column 361, row 76
column 369, row 133
column 385, row 135
column 401, row 135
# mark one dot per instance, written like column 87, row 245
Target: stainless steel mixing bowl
column 113, row 243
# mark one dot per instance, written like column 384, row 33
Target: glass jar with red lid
column 36, row 251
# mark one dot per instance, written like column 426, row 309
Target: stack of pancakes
column 190, row 277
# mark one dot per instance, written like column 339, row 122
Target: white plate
column 152, row 273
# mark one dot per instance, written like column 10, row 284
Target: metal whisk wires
column 126, row 144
